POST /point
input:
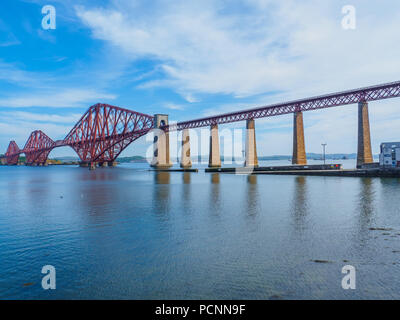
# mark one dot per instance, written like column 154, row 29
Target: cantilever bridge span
column 101, row 134
column 104, row 131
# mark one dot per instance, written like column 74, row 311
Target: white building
column 390, row 154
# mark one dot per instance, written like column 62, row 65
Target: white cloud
column 189, row 97
column 173, row 106
column 62, row 99
column 209, row 47
column 20, row 130
column 12, row 74
column 39, row 117
column 7, row 37
column 17, row 125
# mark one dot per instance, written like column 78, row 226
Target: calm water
column 130, row 233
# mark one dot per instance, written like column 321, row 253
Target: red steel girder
column 378, row 92
column 12, row 153
column 104, row 131
column 38, row 147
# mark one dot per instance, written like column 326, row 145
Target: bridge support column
column 299, row 149
column 161, row 143
column 364, row 151
column 214, row 160
column 186, row 162
column 112, row 163
column 93, row 166
column 251, row 148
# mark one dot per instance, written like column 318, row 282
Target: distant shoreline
column 140, row 159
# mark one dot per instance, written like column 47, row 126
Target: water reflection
column 215, row 178
column 162, row 192
column 366, row 206
column 186, row 177
column 124, row 223
column 299, row 203
column 162, row 177
column 100, row 174
column 96, row 196
column 215, row 193
column 36, row 187
column 186, row 190
column 252, row 179
column 252, row 196
column 389, row 193
column 13, row 188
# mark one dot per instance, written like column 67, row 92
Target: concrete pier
column 186, row 162
column 112, row 163
column 93, row 165
column 251, row 148
column 364, row 152
column 214, row 157
column 299, row 149
column 161, row 157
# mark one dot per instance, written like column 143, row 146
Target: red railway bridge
column 104, row 131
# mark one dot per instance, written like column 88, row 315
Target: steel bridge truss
column 101, row 134
column 379, row 92
column 104, row 131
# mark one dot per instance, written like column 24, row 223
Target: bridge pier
column 186, row 162
column 251, row 148
column 214, row 160
column 93, row 165
column 364, row 151
column 299, row 150
column 112, row 163
column 161, row 158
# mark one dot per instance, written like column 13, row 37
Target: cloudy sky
column 196, row 58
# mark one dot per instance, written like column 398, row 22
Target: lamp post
column 323, row 146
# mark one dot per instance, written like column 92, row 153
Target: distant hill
column 315, row 156
column 66, row 159
column 131, row 159
column 120, row 159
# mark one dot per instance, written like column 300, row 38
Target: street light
column 323, row 146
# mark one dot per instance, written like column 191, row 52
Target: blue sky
column 196, row 58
